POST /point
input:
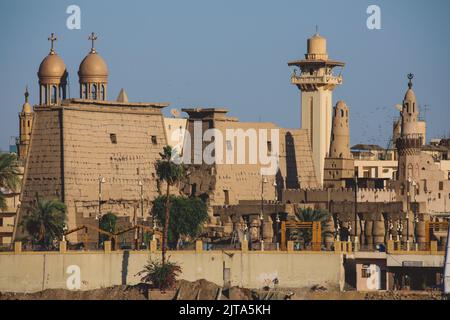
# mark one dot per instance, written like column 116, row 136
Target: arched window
column 84, row 94
column 94, row 92
column 342, row 113
column 43, row 95
column 410, row 170
column 102, row 92
column 54, row 95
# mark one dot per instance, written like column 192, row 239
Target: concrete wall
column 34, row 271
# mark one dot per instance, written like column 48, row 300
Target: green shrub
column 159, row 275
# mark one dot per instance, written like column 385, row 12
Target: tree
column 187, row 216
column 9, row 176
column 171, row 173
column 311, row 215
column 45, row 221
column 107, row 223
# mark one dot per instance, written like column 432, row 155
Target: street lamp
column 261, row 216
column 356, row 210
column 141, row 185
column 101, row 180
column 277, row 216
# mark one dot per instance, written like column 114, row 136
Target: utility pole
column 141, row 185
column 356, row 210
column 277, row 217
column 261, row 217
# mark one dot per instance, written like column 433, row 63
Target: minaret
column 317, row 82
column 52, row 77
column 93, row 75
column 25, row 126
column 411, row 137
column 339, row 164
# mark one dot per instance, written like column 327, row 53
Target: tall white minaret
column 316, row 82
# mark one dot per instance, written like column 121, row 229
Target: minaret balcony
column 316, row 80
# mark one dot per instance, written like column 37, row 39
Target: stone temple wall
column 72, row 146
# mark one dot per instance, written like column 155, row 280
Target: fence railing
column 392, row 247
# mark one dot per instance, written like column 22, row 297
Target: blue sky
column 234, row 54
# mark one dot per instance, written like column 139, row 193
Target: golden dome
column 52, row 69
column 93, row 68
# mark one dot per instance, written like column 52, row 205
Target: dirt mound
column 404, row 295
column 137, row 292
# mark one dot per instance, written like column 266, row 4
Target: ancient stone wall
column 74, row 146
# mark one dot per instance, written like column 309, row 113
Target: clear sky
column 234, row 53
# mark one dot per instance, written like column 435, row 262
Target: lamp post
column 261, row 216
column 277, row 217
column 356, row 210
column 101, row 180
column 141, row 185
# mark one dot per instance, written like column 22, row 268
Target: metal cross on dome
column 52, row 39
column 93, row 37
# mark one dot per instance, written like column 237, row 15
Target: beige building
column 95, row 155
column 228, row 184
column 420, row 178
column 175, row 129
column 316, row 82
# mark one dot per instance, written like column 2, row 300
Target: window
column 102, row 92
column 54, row 95
column 365, row 271
column 1, row 222
column 229, row 145
column 84, row 91
column 154, row 140
column 269, row 146
column 94, row 92
column 28, row 123
column 227, row 197
column 441, row 185
column 113, row 138
column 193, row 189
column 342, row 113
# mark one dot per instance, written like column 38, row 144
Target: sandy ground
column 204, row 290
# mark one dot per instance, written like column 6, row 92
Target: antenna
column 426, row 107
column 175, row 113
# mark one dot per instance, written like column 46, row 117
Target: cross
column 52, row 39
column 93, row 37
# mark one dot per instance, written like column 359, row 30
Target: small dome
column 26, row 108
column 317, row 45
column 52, row 69
column 410, row 95
column 341, row 105
column 93, row 68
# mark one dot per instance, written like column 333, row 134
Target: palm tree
column 9, row 176
column 171, row 173
column 311, row 215
column 45, row 221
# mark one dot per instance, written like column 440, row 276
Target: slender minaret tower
column 317, row 82
column 25, row 126
column 339, row 165
column 411, row 138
